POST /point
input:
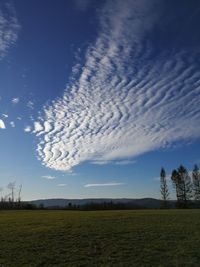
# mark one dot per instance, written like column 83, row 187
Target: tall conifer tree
column 182, row 183
column 163, row 187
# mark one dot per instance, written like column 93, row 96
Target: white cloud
column 2, row 124
column 48, row 177
column 15, row 100
column 61, row 185
column 102, row 185
column 125, row 162
column 27, row 129
column 114, row 162
column 70, row 173
column 9, row 28
column 12, row 124
column 100, row 162
column 126, row 101
column 30, row 104
column 37, row 127
column 5, row 115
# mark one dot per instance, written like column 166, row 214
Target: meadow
column 100, row 238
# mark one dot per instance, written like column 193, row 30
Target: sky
column 97, row 96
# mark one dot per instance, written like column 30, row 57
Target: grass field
column 102, row 238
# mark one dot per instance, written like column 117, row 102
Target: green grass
column 102, row 238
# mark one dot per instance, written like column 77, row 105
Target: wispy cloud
column 5, row 115
column 101, row 162
column 125, row 162
column 12, row 124
column 114, row 162
column 2, row 124
column 27, row 129
column 103, row 185
column 48, row 177
column 15, row 100
column 9, row 28
column 61, row 185
column 30, row 104
column 127, row 98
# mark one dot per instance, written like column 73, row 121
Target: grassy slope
column 111, row 238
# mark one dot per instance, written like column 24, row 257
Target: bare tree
column 12, row 186
column 2, row 199
column 19, row 193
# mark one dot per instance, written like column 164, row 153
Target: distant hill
column 148, row 203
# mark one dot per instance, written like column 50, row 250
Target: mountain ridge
column 63, row 202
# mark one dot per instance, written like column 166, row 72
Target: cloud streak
column 12, row 124
column 61, row 185
column 48, row 177
column 127, row 99
column 27, row 129
column 15, row 100
column 103, row 185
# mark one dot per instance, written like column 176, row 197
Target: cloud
column 129, row 99
column 27, row 129
column 9, row 28
column 12, row 124
column 48, row 177
column 100, row 162
column 102, row 185
column 30, row 105
column 114, row 162
column 125, row 162
column 70, row 173
column 61, row 185
column 5, row 115
column 2, row 124
column 15, row 100
column 37, row 127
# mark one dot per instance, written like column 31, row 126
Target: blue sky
column 96, row 96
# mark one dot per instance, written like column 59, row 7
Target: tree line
column 185, row 184
column 12, row 198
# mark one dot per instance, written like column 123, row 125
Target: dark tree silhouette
column 19, row 193
column 183, row 186
column 163, row 187
column 175, row 182
column 196, row 182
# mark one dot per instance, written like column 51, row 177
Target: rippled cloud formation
column 129, row 97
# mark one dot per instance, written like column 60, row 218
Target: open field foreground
column 103, row 238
